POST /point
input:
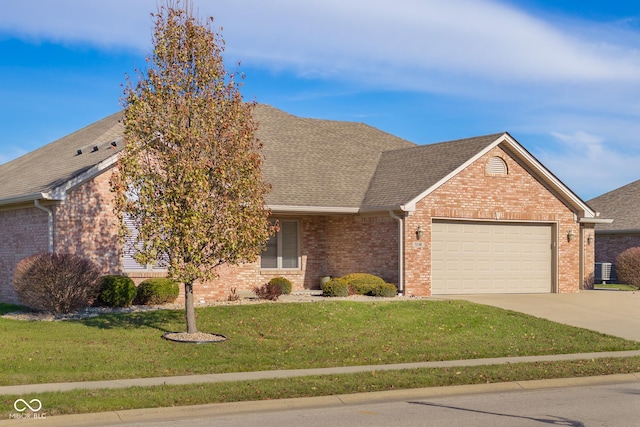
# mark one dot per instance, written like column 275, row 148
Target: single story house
column 623, row 205
column 477, row 215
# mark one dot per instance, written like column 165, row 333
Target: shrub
column 360, row 279
column 362, row 283
column 56, row 283
column 283, row 282
column 386, row 290
column 117, row 291
column 157, row 291
column 270, row 291
column 335, row 288
column 628, row 267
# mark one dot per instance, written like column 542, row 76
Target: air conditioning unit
column 603, row 272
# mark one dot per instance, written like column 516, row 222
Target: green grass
column 84, row 401
column 280, row 336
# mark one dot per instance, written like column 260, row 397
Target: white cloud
column 590, row 164
column 575, row 78
column 410, row 44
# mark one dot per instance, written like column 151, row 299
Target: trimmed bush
column 628, row 267
column 283, row 282
column 117, row 291
column 368, row 284
column 356, row 278
column 386, row 290
column 157, row 291
column 362, row 283
column 335, row 288
column 56, row 283
column 270, row 291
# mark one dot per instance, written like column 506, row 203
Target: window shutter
column 129, row 263
column 289, row 244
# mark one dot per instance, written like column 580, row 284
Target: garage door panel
column 471, row 257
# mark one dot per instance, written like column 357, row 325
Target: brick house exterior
column 355, row 200
column 621, row 204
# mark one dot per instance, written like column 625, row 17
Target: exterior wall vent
column 496, row 166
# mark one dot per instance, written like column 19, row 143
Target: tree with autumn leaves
column 190, row 176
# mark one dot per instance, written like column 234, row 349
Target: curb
column 183, row 413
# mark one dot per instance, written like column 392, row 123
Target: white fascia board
column 26, row 198
column 595, row 221
column 570, row 196
column 60, row 191
column 312, row 209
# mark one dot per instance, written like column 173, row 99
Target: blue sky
column 562, row 77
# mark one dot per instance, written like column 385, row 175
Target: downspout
column 49, row 224
column 400, row 251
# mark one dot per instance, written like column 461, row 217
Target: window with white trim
column 283, row 248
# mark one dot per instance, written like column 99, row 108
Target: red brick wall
column 609, row 246
column 86, row 226
column 24, row 232
column 589, row 255
column 330, row 245
column 363, row 244
column 474, row 195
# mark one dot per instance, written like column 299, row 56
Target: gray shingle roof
column 319, row 163
column 621, row 204
column 310, row 163
column 42, row 170
column 404, row 174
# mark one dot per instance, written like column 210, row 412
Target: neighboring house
column 478, row 215
column 623, row 205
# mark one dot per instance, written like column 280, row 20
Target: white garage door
column 475, row 258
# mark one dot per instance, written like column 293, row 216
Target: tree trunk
column 189, row 307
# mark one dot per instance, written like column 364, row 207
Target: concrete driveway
column 610, row 312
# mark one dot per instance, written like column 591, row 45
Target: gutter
column 49, row 223
column 595, row 221
column 400, row 220
column 24, row 198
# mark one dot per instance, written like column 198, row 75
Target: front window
column 282, row 250
column 130, row 246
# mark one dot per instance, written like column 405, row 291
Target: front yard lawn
column 280, row 336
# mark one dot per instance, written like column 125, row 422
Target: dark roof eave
column 335, row 210
column 627, row 231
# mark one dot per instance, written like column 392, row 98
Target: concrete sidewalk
column 23, row 390
column 184, row 413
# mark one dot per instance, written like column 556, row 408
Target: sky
column 561, row 76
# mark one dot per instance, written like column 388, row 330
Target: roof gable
column 404, row 175
column 59, row 163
